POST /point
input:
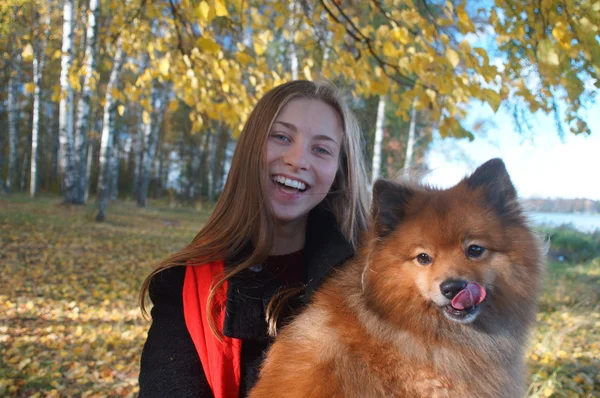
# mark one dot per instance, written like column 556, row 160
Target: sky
column 540, row 164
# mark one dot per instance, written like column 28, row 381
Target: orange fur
column 376, row 328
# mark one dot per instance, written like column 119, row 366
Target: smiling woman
column 285, row 219
column 303, row 151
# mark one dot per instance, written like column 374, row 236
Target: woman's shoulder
column 167, row 285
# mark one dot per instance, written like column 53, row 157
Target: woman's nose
column 296, row 156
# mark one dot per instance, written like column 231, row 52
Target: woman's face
column 303, row 150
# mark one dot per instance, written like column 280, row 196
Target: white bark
column 212, row 169
column 138, row 148
column 410, row 143
column 13, row 116
column 293, row 53
column 151, row 131
column 88, row 168
column 378, row 139
column 106, row 140
column 114, row 168
column 83, row 109
column 66, row 156
column 39, row 58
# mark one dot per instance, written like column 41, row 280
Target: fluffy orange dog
column 437, row 303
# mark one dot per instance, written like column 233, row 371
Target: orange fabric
column 220, row 360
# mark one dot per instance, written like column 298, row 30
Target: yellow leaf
column 279, row 21
column 121, row 110
column 146, row 117
column 452, row 57
column 164, row 66
column 307, row 72
column 27, row 53
column 173, row 105
column 561, row 35
column 208, row 45
column 389, row 50
column 202, row 11
column 492, row 98
column 30, row 87
column 243, row 58
column 259, row 47
column 546, row 52
column 57, row 54
column 401, row 34
column 220, row 8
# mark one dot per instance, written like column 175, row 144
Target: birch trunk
column 107, row 134
column 88, row 168
column 212, row 163
column 39, row 59
column 114, row 168
column 378, row 139
column 151, row 131
column 66, row 156
column 292, row 45
column 13, row 116
column 83, row 108
column 138, row 149
column 410, row 143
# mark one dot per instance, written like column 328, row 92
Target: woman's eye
column 322, row 151
column 279, row 137
column 424, row 259
column 475, row 251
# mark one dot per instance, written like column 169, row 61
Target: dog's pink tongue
column 470, row 296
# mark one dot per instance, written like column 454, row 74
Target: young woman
column 293, row 207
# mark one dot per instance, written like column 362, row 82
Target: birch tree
column 411, row 141
column 66, row 156
column 13, row 115
column 39, row 49
column 152, row 123
column 378, row 139
column 108, row 127
column 83, row 109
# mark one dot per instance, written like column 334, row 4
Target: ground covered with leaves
column 70, row 324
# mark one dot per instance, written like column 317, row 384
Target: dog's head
column 453, row 254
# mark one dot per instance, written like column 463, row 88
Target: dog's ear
column 389, row 203
column 493, row 178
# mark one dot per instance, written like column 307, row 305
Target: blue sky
column 540, row 163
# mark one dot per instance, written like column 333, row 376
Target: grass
column 70, row 324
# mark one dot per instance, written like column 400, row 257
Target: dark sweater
column 170, row 366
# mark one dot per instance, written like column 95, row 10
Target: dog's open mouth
column 466, row 315
column 465, row 306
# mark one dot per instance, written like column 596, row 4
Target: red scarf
column 220, row 360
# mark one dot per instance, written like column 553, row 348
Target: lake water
column 579, row 221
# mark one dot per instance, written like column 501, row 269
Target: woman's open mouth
column 289, row 185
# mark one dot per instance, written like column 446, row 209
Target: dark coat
column 170, row 366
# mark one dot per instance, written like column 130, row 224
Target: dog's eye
column 424, row 259
column 475, row 251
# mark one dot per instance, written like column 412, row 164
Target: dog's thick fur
column 380, row 327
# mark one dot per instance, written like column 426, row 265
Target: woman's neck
column 289, row 237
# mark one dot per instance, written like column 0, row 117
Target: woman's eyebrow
column 286, row 124
column 290, row 126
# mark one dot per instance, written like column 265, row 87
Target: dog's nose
column 451, row 287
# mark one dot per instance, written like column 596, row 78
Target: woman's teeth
column 290, row 183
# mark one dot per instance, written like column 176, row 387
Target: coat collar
column 249, row 292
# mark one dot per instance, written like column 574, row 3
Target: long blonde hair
column 240, row 217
